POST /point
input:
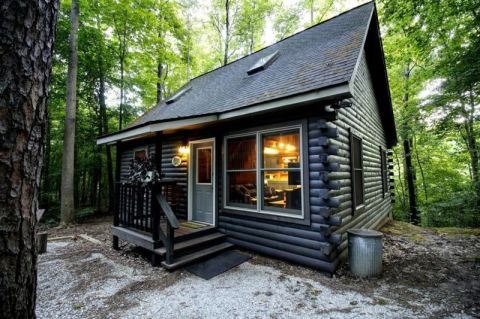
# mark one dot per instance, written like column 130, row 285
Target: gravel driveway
column 81, row 279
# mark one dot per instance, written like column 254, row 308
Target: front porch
column 145, row 216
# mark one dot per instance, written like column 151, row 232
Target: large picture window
column 264, row 172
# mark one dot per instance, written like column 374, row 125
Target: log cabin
column 279, row 152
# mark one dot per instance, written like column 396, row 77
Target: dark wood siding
column 128, row 150
column 320, row 240
column 170, row 145
column 363, row 119
column 309, row 243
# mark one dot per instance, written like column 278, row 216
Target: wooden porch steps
column 191, row 243
column 197, row 255
column 187, row 248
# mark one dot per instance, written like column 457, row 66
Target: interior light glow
column 290, row 148
column 270, row 151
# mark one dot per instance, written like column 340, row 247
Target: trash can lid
column 365, row 233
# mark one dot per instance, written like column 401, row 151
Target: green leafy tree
column 252, row 20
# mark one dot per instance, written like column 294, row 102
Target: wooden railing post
column 116, row 215
column 172, row 223
column 169, row 244
column 155, row 213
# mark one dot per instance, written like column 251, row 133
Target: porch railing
column 144, row 208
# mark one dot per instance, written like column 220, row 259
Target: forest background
column 134, row 53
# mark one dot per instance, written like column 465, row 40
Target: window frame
column 139, row 149
column 384, row 170
column 259, row 169
column 356, row 208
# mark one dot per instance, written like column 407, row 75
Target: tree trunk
column 103, row 113
column 227, row 31
column 122, row 50
column 45, row 184
column 27, row 32
column 95, row 177
column 410, row 174
column 159, row 82
column 472, row 146
column 67, row 203
column 407, row 152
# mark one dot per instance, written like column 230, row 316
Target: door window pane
column 242, row 189
column 241, row 153
column 281, row 150
column 204, row 165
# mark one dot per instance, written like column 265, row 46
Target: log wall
column 310, row 243
column 364, row 120
column 170, row 145
column 320, row 242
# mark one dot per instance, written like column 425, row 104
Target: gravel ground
column 427, row 274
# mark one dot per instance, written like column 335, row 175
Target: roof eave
column 341, row 90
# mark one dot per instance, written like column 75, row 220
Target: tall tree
column 27, row 34
column 318, row 10
column 67, row 204
column 286, row 21
column 252, row 20
column 123, row 21
column 223, row 17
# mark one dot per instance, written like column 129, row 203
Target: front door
column 202, row 180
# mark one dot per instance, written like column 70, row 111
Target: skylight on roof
column 263, row 63
column 178, row 95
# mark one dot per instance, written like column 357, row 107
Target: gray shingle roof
column 321, row 56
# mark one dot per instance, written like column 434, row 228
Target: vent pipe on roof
column 178, row 95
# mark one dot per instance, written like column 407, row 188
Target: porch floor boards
column 180, row 232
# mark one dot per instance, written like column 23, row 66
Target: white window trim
column 259, row 170
column 211, row 165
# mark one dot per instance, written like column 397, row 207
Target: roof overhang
column 338, row 91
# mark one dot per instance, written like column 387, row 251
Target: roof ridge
column 290, row 36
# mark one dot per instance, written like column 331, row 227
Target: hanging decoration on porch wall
column 142, row 172
column 176, row 161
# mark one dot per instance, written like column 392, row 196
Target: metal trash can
column 365, row 249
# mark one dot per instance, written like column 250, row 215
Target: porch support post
column 169, row 244
column 116, row 212
column 158, row 152
column 155, row 213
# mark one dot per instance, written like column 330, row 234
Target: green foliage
column 436, row 105
column 431, row 49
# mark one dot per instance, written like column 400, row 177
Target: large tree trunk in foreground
column 27, row 32
column 67, row 202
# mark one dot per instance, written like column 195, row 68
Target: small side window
column 384, row 171
column 356, row 162
column 140, row 154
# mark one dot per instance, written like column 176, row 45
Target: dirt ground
column 428, row 273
